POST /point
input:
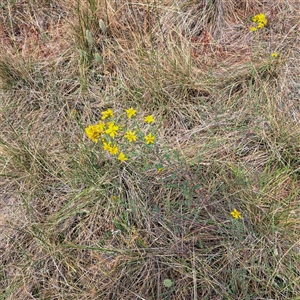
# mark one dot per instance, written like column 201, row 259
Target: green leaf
column 89, row 37
column 98, row 58
column 168, row 282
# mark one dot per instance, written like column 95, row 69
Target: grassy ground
column 78, row 224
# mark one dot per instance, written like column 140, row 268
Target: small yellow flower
column 159, row 170
column 260, row 25
column 274, row 54
column 260, row 20
column 149, row 139
column 107, row 113
column 106, row 145
column 236, row 214
column 101, row 126
column 122, row 157
column 113, row 150
column 149, row 119
column 130, row 112
column 94, row 131
column 130, row 136
column 90, row 132
column 112, row 129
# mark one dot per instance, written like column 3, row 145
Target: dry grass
column 75, row 225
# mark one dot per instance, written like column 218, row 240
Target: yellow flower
column 149, row 119
column 149, row 139
column 113, row 150
column 101, row 127
column 274, row 54
column 130, row 136
column 112, row 129
column 260, row 20
column 236, row 214
column 130, row 112
column 122, row 157
column 94, row 131
column 107, row 113
column 106, row 145
column 159, row 170
column 260, row 25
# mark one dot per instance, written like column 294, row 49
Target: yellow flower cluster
column 260, row 21
column 108, row 131
column 94, row 131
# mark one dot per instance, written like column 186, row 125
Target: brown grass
column 75, row 224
